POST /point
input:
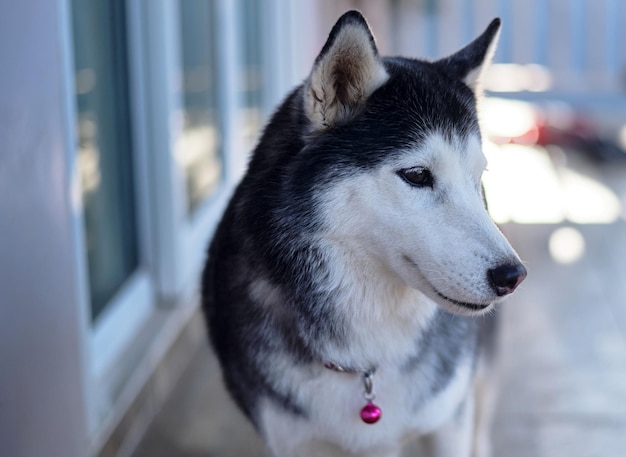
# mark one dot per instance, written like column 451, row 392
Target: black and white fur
column 359, row 236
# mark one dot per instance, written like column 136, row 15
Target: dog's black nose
column 507, row 277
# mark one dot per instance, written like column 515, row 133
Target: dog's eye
column 417, row 177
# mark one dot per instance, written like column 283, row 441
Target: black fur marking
column 449, row 338
column 472, row 56
column 416, row 100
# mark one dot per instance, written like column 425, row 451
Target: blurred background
column 124, row 126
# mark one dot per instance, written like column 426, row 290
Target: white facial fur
column 437, row 240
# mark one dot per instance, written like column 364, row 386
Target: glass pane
column 200, row 142
column 104, row 146
column 251, row 76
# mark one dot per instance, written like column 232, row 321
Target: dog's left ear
column 346, row 72
column 469, row 63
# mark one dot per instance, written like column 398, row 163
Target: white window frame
column 113, row 331
column 180, row 240
column 172, row 245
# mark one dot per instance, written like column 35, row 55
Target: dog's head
column 394, row 147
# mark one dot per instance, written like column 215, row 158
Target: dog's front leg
column 455, row 438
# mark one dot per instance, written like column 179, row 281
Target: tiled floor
column 563, row 351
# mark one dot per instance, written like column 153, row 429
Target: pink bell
column 370, row 414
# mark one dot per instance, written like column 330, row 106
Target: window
column 200, row 142
column 251, row 81
column 105, row 153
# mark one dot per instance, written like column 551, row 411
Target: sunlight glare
column 588, row 201
column 509, row 77
column 507, row 118
column 522, row 185
column 566, row 245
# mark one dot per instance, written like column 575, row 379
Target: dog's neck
column 383, row 316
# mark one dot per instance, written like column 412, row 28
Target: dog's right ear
column 346, row 72
column 469, row 64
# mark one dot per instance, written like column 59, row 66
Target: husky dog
column 344, row 284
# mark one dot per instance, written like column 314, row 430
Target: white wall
column 41, row 393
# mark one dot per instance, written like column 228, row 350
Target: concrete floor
column 563, row 351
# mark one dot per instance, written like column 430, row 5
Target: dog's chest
column 333, row 401
column 423, row 359
column 407, row 400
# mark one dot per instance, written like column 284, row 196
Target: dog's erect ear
column 346, row 72
column 469, row 63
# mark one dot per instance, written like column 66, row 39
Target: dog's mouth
column 466, row 305
column 471, row 306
